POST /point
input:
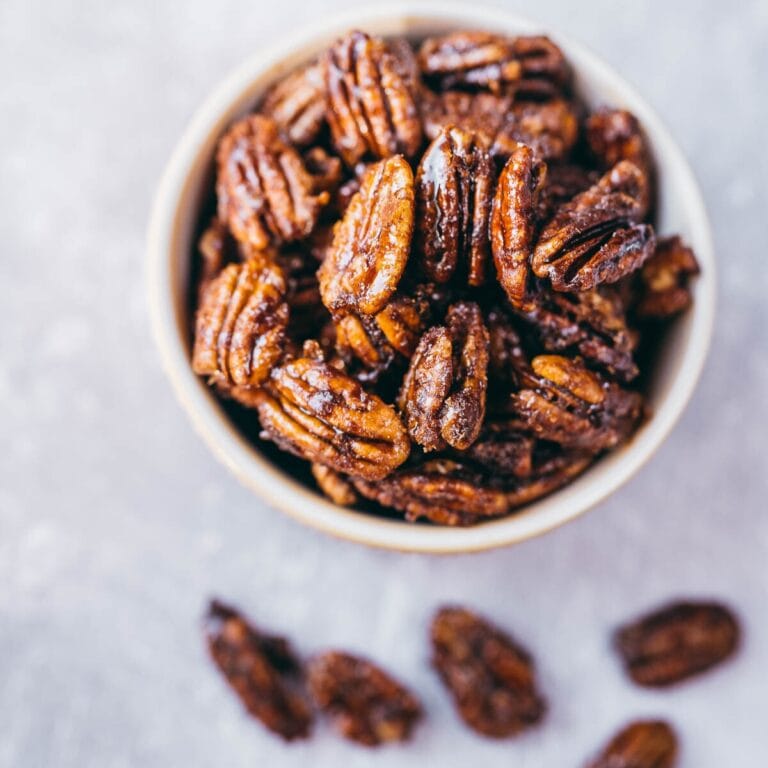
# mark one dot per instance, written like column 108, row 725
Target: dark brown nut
column 564, row 402
column 502, row 452
column 677, row 642
column 590, row 323
column 614, row 135
column 265, row 192
column 664, row 289
column 365, row 703
column 507, row 358
column 454, row 192
column 240, row 325
column 525, row 66
column 443, row 491
column 547, row 476
column 642, row 744
column 297, row 103
column 563, row 182
column 325, row 170
column 444, row 391
column 489, row 675
column 483, row 114
column 217, row 248
column 334, row 486
column 371, row 243
column 316, row 411
column 513, row 223
column 307, row 312
column 263, row 670
column 596, row 238
column 371, row 103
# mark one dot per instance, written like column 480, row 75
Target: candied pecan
column 490, row 676
column 334, row 486
column 365, row 703
column 483, row 114
column 454, row 192
column 591, row 323
column 642, row 744
column 240, row 325
column 297, row 103
column 371, row 243
column 596, row 238
column 443, row 393
column 614, row 135
column 443, row 491
column 664, row 289
column 547, row 476
column 506, row 354
column 513, row 223
column 265, row 192
column 503, row 452
column 316, row 411
column 677, row 641
column 325, row 170
column 263, row 670
column 371, row 103
column 563, row 182
column 564, row 402
column 525, row 66
column 217, row 248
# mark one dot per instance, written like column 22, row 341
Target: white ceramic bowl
column 173, row 226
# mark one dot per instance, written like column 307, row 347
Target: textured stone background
column 116, row 523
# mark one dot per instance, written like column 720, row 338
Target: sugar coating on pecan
column 365, row 703
column 265, row 191
column 490, row 676
column 240, row 325
column 664, row 280
column 641, row 744
column 371, row 243
column 444, row 391
column 318, row 412
column 454, row 192
column 263, row 670
column 371, row 103
column 596, row 237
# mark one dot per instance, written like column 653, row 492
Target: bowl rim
column 277, row 488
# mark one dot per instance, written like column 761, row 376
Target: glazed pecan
column 325, row 170
column 590, row 323
column 334, row 486
column 664, row 278
column 513, row 223
column 507, row 358
column 371, row 101
column 265, row 192
column 307, row 311
column 614, row 135
column 316, row 411
column 677, row 641
column 563, row 182
column 550, row 129
column 564, row 402
column 443, row 491
column 263, row 670
column 240, row 325
column 596, row 237
column 371, row 243
column 642, row 744
column 490, row 676
column 524, row 66
column 297, row 103
column 454, row 192
column 547, row 475
column 483, row 114
column 217, row 248
column 365, row 703
column 444, row 391
column 503, row 452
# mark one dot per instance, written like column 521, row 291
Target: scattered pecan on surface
column 642, row 744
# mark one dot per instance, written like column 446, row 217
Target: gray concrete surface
column 116, row 524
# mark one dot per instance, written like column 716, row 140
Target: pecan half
column 677, row 641
column 444, row 391
column 642, row 744
column 334, row 486
column 563, row 182
column 513, row 223
column 664, row 278
column 454, row 192
column 483, row 114
column 489, row 675
column 240, row 325
column 564, row 402
column 547, row 475
column 371, row 103
column 614, row 135
column 371, row 243
column 297, row 103
column 365, row 703
column 596, row 237
column 443, row 491
column 264, row 190
column 263, row 670
column 217, row 248
column 319, row 413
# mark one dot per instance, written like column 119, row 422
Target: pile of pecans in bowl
column 433, row 273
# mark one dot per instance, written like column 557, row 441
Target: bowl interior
column 186, row 187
